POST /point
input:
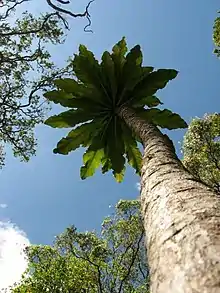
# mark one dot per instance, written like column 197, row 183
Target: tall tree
column 114, row 104
column 201, row 150
column 89, row 263
column 27, row 69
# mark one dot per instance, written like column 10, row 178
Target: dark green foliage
column 78, row 262
column 26, row 70
column 97, row 94
column 201, row 150
column 216, row 36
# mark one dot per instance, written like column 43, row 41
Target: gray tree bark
column 181, row 217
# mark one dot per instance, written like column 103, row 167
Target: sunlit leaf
column 152, row 83
column 69, row 118
column 92, row 160
column 80, row 136
column 150, row 101
column 163, row 118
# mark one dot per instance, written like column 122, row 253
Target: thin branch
column 132, row 262
column 10, row 9
column 84, row 14
column 91, row 262
column 63, row 2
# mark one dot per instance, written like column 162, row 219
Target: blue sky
column 46, row 195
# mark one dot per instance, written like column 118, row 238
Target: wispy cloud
column 138, row 186
column 3, row 205
column 12, row 258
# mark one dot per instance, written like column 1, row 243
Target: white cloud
column 138, row 186
column 12, row 258
column 3, row 205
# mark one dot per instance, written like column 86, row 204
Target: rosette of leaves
column 95, row 98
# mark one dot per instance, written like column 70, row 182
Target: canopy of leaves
column 26, row 68
column 96, row 97
column 201, row 150
column 216, row 36
column 85, row 262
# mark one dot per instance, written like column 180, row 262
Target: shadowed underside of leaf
column 69, row 118
column 80, row 136
column 97, row 94
column 163, row 118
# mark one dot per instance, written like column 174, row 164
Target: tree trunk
column 181, row 217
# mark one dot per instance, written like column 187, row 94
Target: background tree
column 86, row 262
column 201, row 150
column 216, row 36
column 27, row 69
column 60, row 6
column 114, row 103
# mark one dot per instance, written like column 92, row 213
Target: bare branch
column 10, row 9
column 84, row 14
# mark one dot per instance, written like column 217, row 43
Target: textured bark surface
column 181, row 218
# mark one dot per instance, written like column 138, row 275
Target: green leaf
column 88, row 71
column 69, row 85
column 152, row 83
column 60, row 97
column 81, row 136
column 89, row 94
column 132, row 71
column 115, row 145
column 150, row 101
column 106, row 164
column 132, row 151
column 120, row 49
column 70, row 101
column 69, row 118
column 163, row 118
column 92, row 160
column 86, row 67
column 119, row 176
column 118, row 56
column 108, row 74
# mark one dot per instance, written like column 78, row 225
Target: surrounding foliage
column 201, row 150
column 86, row 262
column 95, row 100
column 27, row 69
column 216, row 36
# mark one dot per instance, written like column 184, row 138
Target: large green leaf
column 153, row 82
column 60, row 97
column 88, row 93
column 69, row 118
column 150, row 101
column 163, row 118
column 132, row 151
column 86, row 67
column 68, row 100
column 88, row 71
column 131, row 72
column 118, row 55
column 92, row 160
column 115, row 145
column 120, row 49
column 70, row 85
column 80, row 136
column 108, row 74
